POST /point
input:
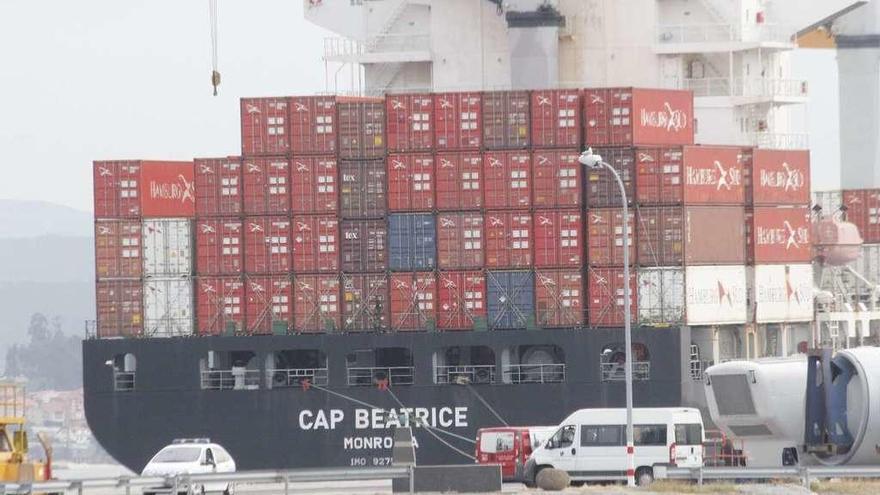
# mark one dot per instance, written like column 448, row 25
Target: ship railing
column 780, row 141
column 368, row 376
column 446, row 375
column 698, row 368
column 721, row 33
column 123, row 381
column 237, row 379
column 294, row 377
column 745, row 87
column 91, row 329
column 534, row 373
column 616, row 372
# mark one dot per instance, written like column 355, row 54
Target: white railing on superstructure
column 368, row 376
column 780, row 141
column 293, row 377
column 751, row 87
column 720, row 33
column 237, row 379
column 445, row 375
column 614, row 372
column 534, row 373
column 338, row 48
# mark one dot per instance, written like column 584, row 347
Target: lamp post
column 594, row 161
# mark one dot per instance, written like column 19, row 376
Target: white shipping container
column 715, row 295
column 782, row 293
column 661, row 296
column 168, row 307
column 167, row 247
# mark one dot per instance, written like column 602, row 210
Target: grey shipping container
column 413, row 242
column 362, row 191
column 364, row 246
column 511, row 297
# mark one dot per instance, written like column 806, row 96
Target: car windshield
column 178, row 454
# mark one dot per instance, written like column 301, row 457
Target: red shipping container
column 361, row 128
column 508, row 179
column 315, row 244
column 557, row 179
column 460, row 240
column 607, row 306
column 168, row 189
column 627, row 116
column 659, row 175
column 269, row 308
column 558, row 238
column 411, row 182
column 220, row 305
column 713, row 175
column 266, row 186
column 118, row 245
column 117, row 189
column 267, row 245
column 458, row 121
column 505, row 120
column 508, row 239
column 365, row 303
column 556, row 118
column 602, row 190
column 364, row 245
column 559, row 298
column 462, row 301
column 605, row 237
column 313, row 185
column 780, row 177
column 410, row 119
column 219, row 243
column 362, row 192
column 218, row 186
column 316, row 304
column 265, row 126
column 119, row 308
column 313, row 125
column 459, row 181
column 863, row 210
column 778, row 235
column 660, row 235
column 413, row 302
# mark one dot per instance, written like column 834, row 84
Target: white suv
column 191, row 456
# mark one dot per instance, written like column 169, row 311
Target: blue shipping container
column 511, row 299
column 412, row 242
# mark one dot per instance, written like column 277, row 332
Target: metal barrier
column 123, row 381
column 806, row 474
column 395, row 375
column 445, row 375
column 293, row 377
column 183, row 483
column 235, row 379
column 534, row 373
column 616, row 372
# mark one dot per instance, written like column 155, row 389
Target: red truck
column 510, row 446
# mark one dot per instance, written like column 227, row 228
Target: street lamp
column 594, row 161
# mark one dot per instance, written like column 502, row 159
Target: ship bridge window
column 464, row 365
column 290, row 368
column 124, row 370
column 533, row 364
column 612, row 362
column 380, row 366
column 230, row 370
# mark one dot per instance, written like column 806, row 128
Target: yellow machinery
column 14, row 464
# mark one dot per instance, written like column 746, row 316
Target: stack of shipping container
column 447, row 212
column 143, row 248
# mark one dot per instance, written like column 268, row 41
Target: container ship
column 438, row 257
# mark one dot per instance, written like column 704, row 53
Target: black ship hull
column 342, row 424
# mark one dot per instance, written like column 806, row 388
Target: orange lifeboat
column 836, row 243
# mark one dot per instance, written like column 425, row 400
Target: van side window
column 689, row 434
column 601, row 435
column 648, row 435
column 564, row 437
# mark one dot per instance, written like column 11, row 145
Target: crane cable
column 214, row 25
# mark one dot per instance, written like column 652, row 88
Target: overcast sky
column 101, row 79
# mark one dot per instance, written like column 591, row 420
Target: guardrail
column 184, row 483
column 806, row 474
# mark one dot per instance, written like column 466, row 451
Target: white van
column 591, row 444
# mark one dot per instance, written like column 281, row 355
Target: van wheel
column 644, row 476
